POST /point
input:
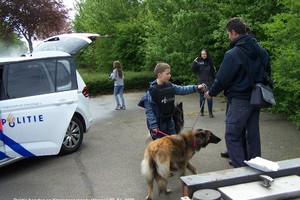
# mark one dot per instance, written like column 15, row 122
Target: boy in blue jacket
column 159, row 100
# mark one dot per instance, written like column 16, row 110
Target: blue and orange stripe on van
column 12, row 144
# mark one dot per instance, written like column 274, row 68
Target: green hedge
column 100, row 83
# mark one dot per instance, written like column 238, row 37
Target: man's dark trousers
column 242, row 145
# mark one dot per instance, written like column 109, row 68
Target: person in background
column 203, row 67
column 242, row 133
column 158, row 102
column 118, row 76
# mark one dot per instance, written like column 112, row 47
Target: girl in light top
column 118, row 76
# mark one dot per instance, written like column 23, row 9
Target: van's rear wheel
column 73, row 138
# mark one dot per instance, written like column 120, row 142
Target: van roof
column 34, row 56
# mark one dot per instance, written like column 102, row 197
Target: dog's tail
column 155, row 169
column 147, row 168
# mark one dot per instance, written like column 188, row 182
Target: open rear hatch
column 69, row 43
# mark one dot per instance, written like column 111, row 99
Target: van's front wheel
column 73, row 137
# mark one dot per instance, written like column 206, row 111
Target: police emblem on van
column 12, row 121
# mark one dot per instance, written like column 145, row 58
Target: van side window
column 28, row 79
column 61, row 74
column 63, row 78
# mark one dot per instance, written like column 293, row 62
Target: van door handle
column 63, row 101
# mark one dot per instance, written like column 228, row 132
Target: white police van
column 44, row 103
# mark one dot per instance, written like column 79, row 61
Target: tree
column 114, row 17
column 10, row 45
column 34, row 18
column 284, row 43
column 176, row 32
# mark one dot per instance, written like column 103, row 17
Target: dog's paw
column 168, row 191
column 148, row 198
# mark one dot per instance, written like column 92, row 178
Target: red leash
column 161, row 133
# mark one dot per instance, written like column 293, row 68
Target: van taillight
column 86, row 92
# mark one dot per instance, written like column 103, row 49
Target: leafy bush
column 284, row 44
column 143, row 35
column 184, row 80
column 100, row 83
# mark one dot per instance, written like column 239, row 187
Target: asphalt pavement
column 107, row 166
column 122, row 135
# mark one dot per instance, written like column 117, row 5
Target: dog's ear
column 205, row 137
column 209, row 137
column 201, row 139
column 200, row 133
column 199, row 129
column 180, row 105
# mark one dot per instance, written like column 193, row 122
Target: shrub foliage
column 150, row 31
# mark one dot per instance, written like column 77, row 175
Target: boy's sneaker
column 118, row 108
column 123, row 108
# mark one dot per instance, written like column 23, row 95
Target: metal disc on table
column 206, row 194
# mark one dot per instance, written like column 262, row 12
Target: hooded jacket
column 153, row 114
column 232, row 77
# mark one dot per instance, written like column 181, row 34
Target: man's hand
column 207, row 96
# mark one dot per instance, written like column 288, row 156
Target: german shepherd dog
column 175, row 149
column 178, row 117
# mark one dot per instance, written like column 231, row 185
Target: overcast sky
column 70, row 4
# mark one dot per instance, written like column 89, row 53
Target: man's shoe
column 211, row 114
column 224, row 154
column 201, row 112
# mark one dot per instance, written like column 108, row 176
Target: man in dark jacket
column 237, row 86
